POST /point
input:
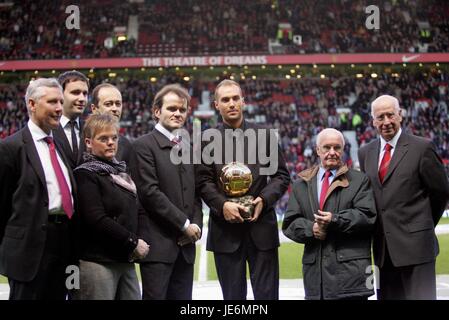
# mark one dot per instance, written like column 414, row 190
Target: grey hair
column 326, row 131
column 385, row 97
column 35, row 88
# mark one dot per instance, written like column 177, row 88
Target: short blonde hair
column 227, row 82
column 97, row 123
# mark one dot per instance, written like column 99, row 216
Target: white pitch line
column 202, row 270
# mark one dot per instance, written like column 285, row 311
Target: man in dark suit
column 171, row 217
column 233, row 240
column 36, row 195
column 411, row 192
column 106, row 98
column 75, row 86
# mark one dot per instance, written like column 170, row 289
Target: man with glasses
column 106, row 98
column 411, row 192
column 331, row 210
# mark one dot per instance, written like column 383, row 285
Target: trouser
column 49, row 282
column 167, row 281
column 263, row 269
column 107, row 281
column 415, row 282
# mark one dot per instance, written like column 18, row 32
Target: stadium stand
column 192, row 27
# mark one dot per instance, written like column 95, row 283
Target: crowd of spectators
column 299, row 109
column 340, row 26
column 37, row 29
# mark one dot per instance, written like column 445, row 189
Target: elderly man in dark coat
column 332, row 211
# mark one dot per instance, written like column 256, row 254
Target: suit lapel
column 162, row 140
column 81, row 145
column 60, row 136
column 373, row 161
column 33, row 156
column 399, row 153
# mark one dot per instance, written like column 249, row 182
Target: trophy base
column 245, row 201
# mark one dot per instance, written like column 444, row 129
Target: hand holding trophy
column 236, row 179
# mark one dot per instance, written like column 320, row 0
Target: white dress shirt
column 170, row 136
column 54, row 194
column 64, row 121
column 392, row 142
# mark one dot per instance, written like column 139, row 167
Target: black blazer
column 108, row 218
column 124, row 151
column 62, row 140
column 410, row 202
column 24, row 203
column 226, row 237
column 168, row 197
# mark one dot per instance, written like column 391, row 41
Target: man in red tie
column 36, row 200
column 331, row 210
column 411, row 191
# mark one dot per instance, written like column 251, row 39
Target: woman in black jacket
column 108, row 218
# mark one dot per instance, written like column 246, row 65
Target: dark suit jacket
column 168, row 198
column 108, row 218
column 63, row 141
column 124, row 150
column 225, row 237
column 24, row 203
column 410, row 202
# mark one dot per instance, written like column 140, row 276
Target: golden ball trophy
column 236, row 179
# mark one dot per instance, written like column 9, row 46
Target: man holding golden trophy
column 236, row 179
column 241, row 186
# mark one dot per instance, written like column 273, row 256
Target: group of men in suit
column 38, row 198
column 38, row 228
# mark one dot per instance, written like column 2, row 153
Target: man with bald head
column 331, row 210
column 106, row 98
column 411, row 192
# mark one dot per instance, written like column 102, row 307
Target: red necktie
column 176, row 140
column 63, row 187
column 383, row 169
column 324, row 188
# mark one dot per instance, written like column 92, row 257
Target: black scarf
column 95, row 164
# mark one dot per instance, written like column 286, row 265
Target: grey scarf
column 116, row 169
